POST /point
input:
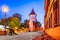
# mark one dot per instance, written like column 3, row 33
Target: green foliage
column 38, row 23
column 13, row 22
column 17, row 15
column 26, row 23
column 2, row 21
column 22, row 25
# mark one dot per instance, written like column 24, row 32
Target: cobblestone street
column 44, row 37
column 22, row 36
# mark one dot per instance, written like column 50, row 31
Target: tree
column 37, row 25
column 26, row 23
column 13, row 22
column 17, row 15
column 22, row 25
column 2, row 21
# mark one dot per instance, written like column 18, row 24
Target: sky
column 24, row 8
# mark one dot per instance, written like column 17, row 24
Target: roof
column 32, row 12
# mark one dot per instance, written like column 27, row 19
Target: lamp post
column 5, row 10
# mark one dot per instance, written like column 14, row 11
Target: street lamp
column 5, row 10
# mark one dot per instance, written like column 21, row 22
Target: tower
column 32, row 18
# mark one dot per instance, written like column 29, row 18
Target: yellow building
column 52, row 16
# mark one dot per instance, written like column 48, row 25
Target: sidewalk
column 44, row 37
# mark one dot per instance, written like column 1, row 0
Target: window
column 48, row 2
column 55, row 5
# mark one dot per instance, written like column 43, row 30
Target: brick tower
column 32, row 18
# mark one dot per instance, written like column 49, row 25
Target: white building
column 2, row 27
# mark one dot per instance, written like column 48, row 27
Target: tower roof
column 32, row 12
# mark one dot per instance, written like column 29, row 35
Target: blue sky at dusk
column 24, row 8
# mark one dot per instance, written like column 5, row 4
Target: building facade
column 32, row 19
column 52, row 13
